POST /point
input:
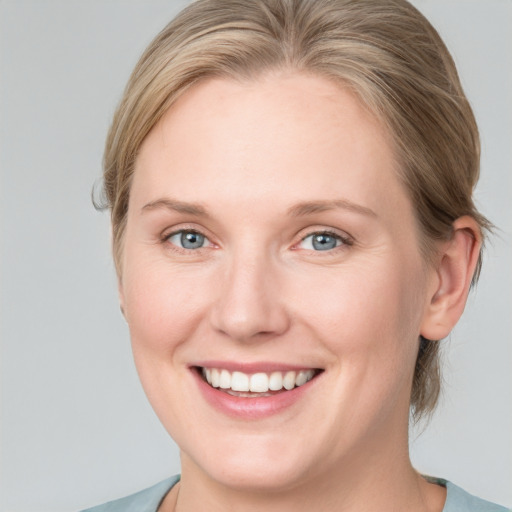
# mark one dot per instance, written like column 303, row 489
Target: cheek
column 373, row 325
column 370, row 320
column 163, row 303
column 164, row 306
column 360, row 299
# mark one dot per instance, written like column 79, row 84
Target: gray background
column 76, row 427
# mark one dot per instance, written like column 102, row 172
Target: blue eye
column 322, row 241
column 188, row 239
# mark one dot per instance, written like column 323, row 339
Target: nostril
column 252, row 325
column 249, row 305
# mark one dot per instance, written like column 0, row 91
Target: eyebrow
column 311, row 207
column 176, row 206
column 297, row 210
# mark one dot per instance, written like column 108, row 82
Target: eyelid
column 167, row 234
column 343, row 237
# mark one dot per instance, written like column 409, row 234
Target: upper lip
column 254, row 367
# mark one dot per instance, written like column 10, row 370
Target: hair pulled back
column 385, row 51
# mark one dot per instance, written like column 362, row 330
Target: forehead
column 283, row 138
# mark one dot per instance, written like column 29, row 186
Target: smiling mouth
column 256, row 385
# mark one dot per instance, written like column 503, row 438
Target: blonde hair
column 384, row 50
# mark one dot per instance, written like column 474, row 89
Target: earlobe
column 455, row 268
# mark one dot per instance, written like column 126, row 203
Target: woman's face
column 269, row 243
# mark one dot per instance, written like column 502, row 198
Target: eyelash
column 345, row 241
column 166, row 237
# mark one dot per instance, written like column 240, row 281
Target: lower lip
column 251, row 408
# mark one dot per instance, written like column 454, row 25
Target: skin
column 257, row 290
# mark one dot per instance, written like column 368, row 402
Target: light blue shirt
column 148, row 500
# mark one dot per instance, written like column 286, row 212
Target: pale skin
column 257, row 168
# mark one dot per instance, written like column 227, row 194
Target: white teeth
column 225, row 379
column 215, row 377
column 289, row 380
column 257, row 382
column 239, row 381
column 275, row 383
column 302, row 378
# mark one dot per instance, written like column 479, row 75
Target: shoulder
column 458, row 500
column 147, row 500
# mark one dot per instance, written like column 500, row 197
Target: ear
column 120, row 289
column 456, row 265
column 120, row 293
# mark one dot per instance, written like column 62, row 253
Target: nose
column 249, row 306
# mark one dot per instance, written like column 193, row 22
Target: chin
column 265, row 476
column 252, row 464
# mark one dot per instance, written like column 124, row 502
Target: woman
column 290, row 184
